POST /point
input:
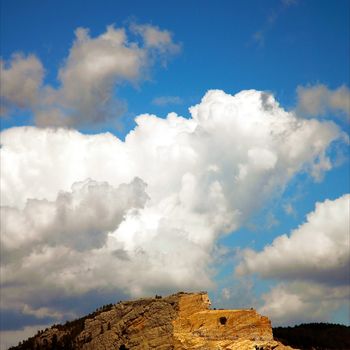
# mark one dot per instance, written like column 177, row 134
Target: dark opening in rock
column 222, row 320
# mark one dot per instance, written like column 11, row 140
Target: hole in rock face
column 222, row 320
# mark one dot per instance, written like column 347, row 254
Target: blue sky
column 307, row 44
column 294, row 53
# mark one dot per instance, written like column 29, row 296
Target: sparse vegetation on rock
column 180, row 321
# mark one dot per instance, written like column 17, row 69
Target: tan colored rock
column 180, row 321
column 196, row 327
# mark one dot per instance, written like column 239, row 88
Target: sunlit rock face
column 197, row 327
column 179, row 321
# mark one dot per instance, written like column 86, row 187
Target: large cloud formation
column 314, row 262
column 205, row 175
column 79, row 219
column 87, row 78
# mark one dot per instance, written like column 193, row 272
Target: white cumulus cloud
column 317, row 250
column 80, row 219
column 300, row 302
column 88, row 77
column 313, row 262
column 202, row 174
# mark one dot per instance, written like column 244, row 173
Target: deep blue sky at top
column 306, row 44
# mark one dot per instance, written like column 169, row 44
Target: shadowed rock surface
column 179, row 321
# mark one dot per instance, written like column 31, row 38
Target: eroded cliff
column 179, row 321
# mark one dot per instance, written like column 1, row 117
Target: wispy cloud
column 259, row 37
column 167, row 100
column 289, row 209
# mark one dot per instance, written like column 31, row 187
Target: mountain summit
column 179, row 321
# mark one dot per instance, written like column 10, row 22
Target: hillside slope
column 179, row 321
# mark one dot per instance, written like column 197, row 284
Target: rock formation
column 179, row 321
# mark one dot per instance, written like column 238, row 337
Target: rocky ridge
column 179, row 321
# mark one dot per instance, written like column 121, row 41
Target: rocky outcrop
column 180, row 321
column 197, row 327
